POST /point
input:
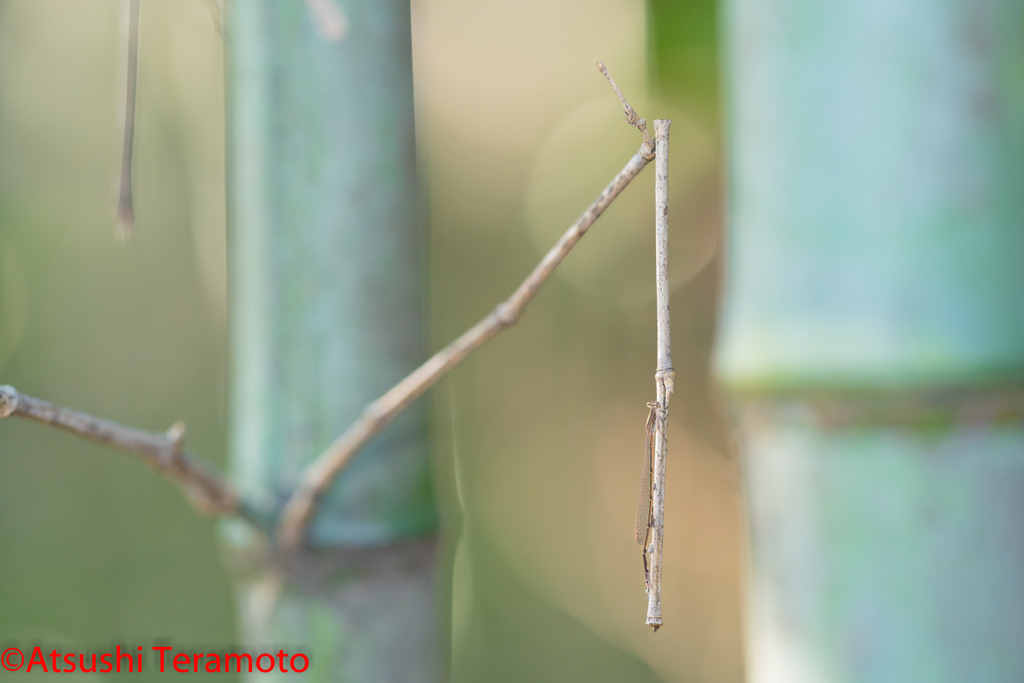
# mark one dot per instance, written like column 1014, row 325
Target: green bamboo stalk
column 326, row 294
column 873, row 337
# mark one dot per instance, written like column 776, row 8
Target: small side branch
column 321, row 472
column 631, row 116
column 125, row 213
column 205, row 489
column 665, row 376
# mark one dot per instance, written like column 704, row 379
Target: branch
column 205, row 489
column 125, row 214
column 631, row 116
column 665, row 376
column 299, row 509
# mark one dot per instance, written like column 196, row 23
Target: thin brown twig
column 631, row 116
column 299, row 509
column 204, row 488
column 125, row 213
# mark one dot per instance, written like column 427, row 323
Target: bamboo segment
column 873, row 332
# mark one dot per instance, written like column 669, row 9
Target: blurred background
column 538, row 436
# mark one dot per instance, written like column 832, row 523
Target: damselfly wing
column 643, row 503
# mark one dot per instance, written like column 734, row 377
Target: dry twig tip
column 631, row 116
column 124, row 217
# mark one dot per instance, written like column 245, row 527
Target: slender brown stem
column 125, row 214
column 205, row 489
column 631, row 116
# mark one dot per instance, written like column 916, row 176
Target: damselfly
column 642, row 528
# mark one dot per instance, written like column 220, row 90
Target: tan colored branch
column 631, row 116
column 125, row 212
column 321, row 472
column 205, row 489
column 665, row 376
